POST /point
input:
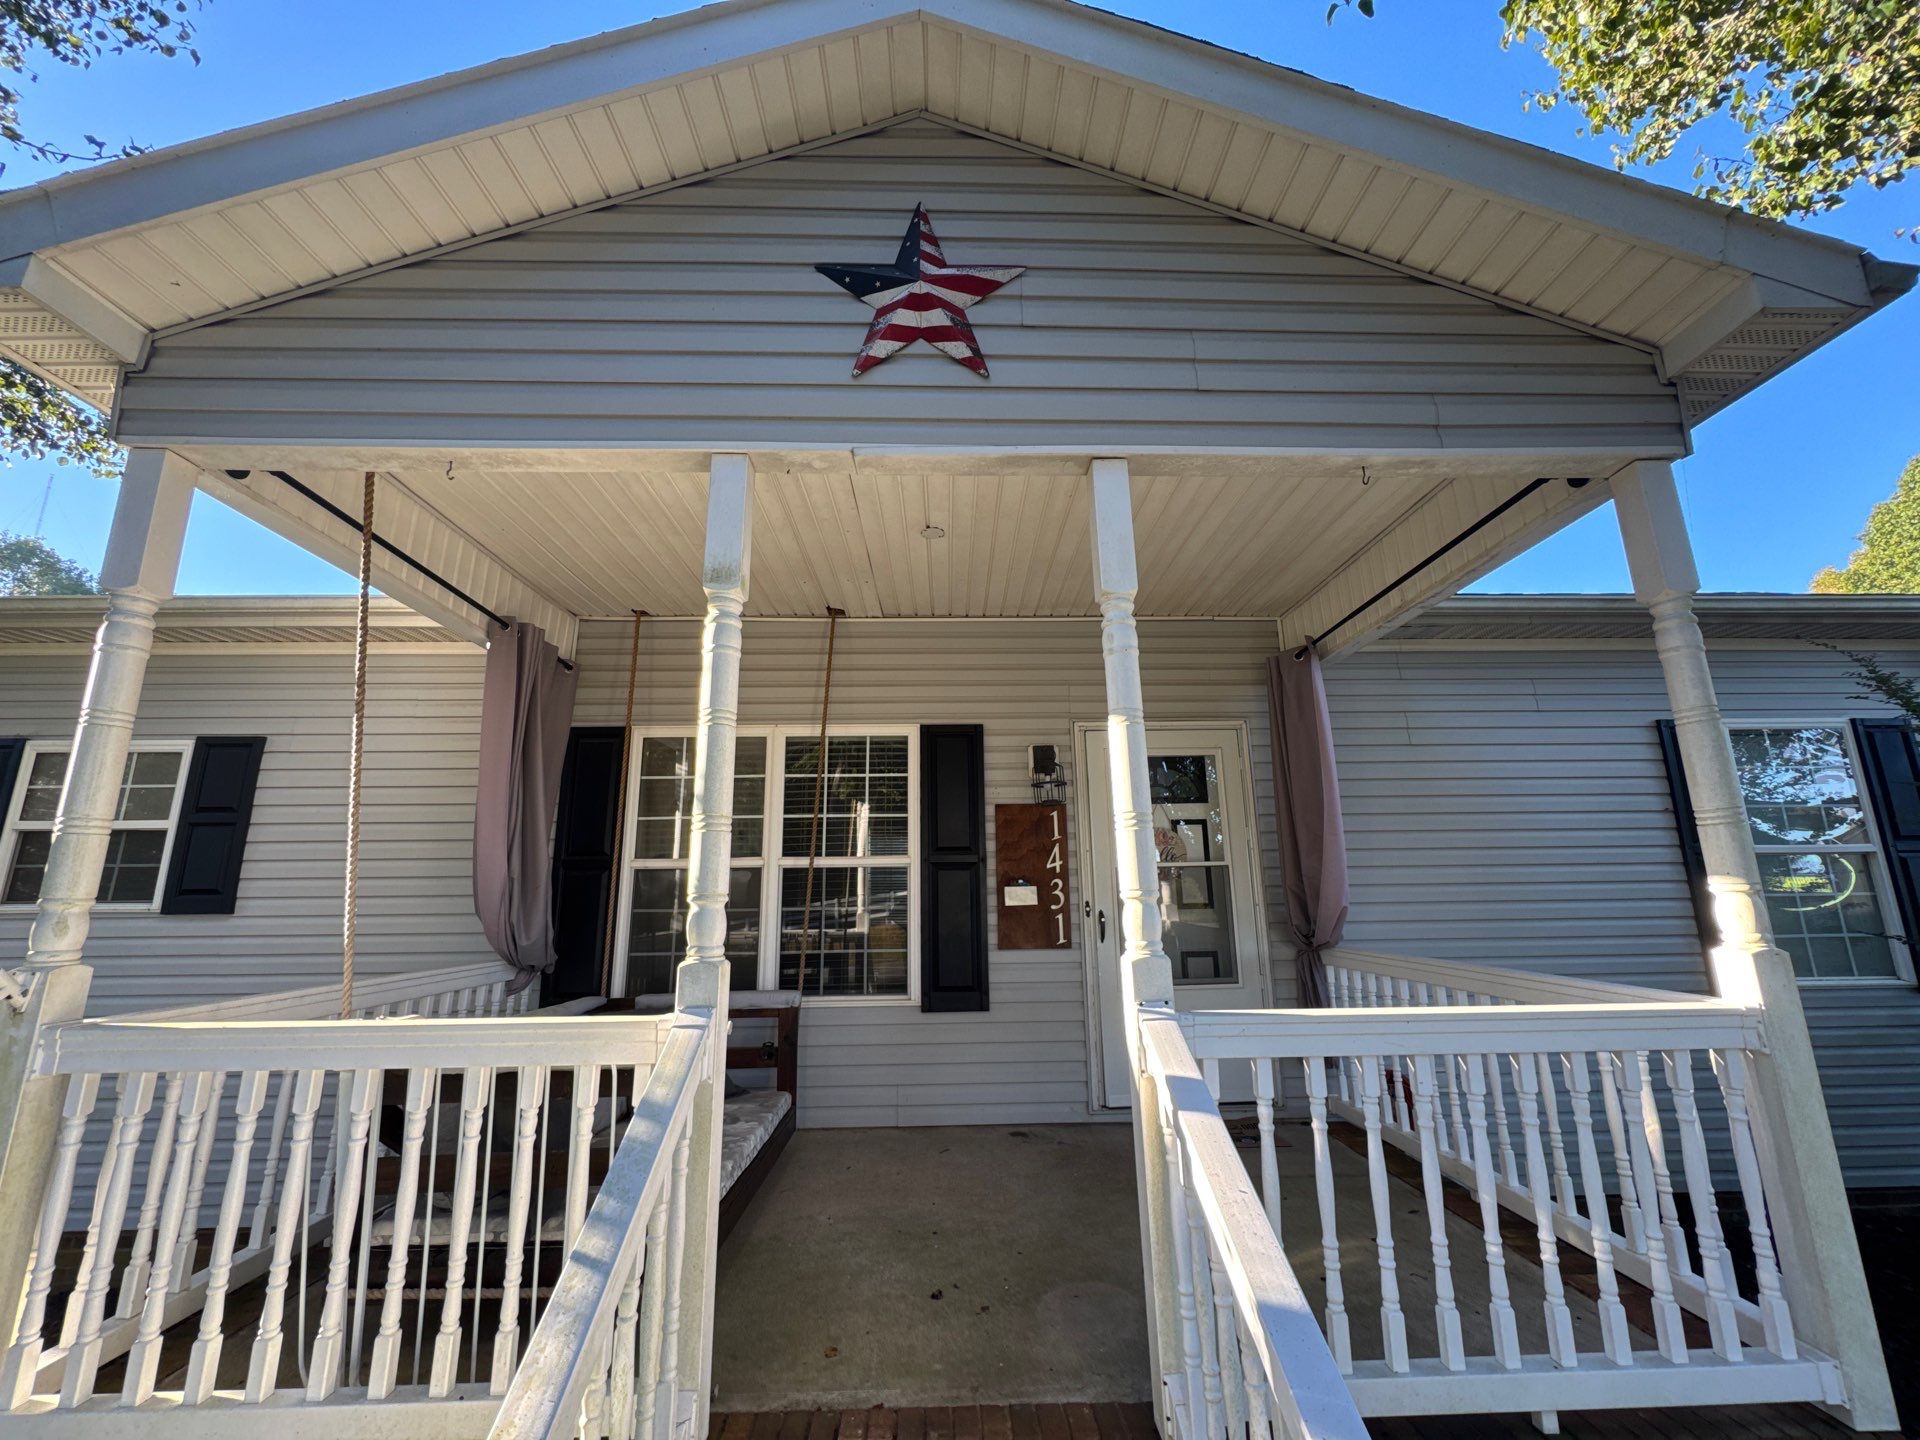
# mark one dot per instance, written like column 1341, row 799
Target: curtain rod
column 1458, row 540
column 385, row 544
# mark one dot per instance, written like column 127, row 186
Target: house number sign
column 1030, row 873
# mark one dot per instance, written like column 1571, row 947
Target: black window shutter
column 583, row 842
column 10, row 752
column 1691, row 856
column 215, row 811
column 1890, row 755
column 953, row 868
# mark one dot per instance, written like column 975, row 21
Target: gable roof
column 93, row 265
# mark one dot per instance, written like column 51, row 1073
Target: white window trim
column 1871, row 848
column 769, row 861
column 14, row 828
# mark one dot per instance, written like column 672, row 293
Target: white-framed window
column 1820, row 861
column 859, row 929
column 143, row 824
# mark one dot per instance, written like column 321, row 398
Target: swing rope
column 819, row 796
column 620, row 809
column 357, row 754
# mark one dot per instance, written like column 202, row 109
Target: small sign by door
column 1030, row 877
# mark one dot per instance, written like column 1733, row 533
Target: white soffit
column 189, row 234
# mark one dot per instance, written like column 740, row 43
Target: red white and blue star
column 920, row 297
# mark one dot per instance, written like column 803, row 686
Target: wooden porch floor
column 1135, row 1422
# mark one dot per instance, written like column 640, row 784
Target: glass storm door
column 1209, row 904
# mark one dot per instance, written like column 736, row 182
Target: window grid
column 143, row 825
column 1812, row 833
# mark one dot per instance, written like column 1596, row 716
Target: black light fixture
column 1044, row 773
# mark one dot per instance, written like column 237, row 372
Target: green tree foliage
column 1888, row 560
column 30, row 566
column 38, row 420
column 1826, row 92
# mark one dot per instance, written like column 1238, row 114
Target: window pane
column 664, row 797
column 146, row 792
column 42, row 800
column 1196, row 902
column 854, row 936
column 863, row 806
column 1799, row 786
column 657, row 930
column 132, row 873
column 1826, row 915
column 29, row 867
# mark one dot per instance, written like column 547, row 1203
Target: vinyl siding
column 416, row 889
column 1508, row 805
column 1025, row 1059
column 694, row 317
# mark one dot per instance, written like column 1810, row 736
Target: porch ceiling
column 1247, row 539
column 103, row 260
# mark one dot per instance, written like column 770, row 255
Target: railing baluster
column 1339, row 1335
column 532, row 1086
column 143, row 1360
column 1269, row 1158
column 1633, row 1228
column 89, row 1299
column 1506, row 1333
column 1775, row 1319
column 263, row 1364
column 586, row 1096
column 668, row 1419
column 1212, row 1392
column 160, row 1157
column 1559, row 1319
column 1716, row 1266
column 1186, row 1304
column 1563, row 1187
column 270, row 1162
column 323, row 1369
column 1393, row 1322
column 1678, row 1255
column 422, row 1088
column 620, row 1410
column 1446, row 1311
column 23, row 1356
column 1497, row 1116
column 446, row 1346
column 1638, row 1111
column 1614, row 1337
column 1226, row 1343
column 189, row 1242
column 653, row 1322
column 203, row 1363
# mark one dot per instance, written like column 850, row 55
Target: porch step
column 958, row 1422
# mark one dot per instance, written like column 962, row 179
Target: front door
column 1209, row 893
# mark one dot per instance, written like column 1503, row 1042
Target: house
column 1228, row 373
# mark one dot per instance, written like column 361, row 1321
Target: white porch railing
column 433, row 1163
column 1574, row 1105
column 607, row 1356
column 1249, row 1359
column 476, row 988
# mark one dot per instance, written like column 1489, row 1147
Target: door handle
column 1103, row 925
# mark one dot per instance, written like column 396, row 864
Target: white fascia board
column 417, row 117
column 79, row 304
column 393, row 123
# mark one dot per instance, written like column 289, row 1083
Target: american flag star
column 920, row 297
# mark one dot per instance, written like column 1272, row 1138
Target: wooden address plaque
column 1030, row 877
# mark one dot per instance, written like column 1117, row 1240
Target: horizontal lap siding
column 1509, row 806
column 416, row 887
column 695, row 316
column 1025, row 1059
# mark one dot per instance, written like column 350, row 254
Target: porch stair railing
column 1611, row 1120
column 367, row 1205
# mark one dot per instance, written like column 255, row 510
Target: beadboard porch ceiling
column 94, row 265
column 900, row 538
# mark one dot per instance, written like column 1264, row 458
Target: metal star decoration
column 920, row 297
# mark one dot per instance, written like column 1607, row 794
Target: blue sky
column 1780, row 484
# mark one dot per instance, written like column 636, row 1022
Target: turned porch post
column 1820, row 1258
column 143, row 556
column 1146, row 975
column 703, row 979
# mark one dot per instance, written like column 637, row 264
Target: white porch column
column 143, row 556
column 1146, row 975
column 702, row 980
column 1820, row 1257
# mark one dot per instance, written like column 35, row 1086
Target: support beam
column 1820, row 1258
column 703, row 979
column 143, row 557
column 1146, row 975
